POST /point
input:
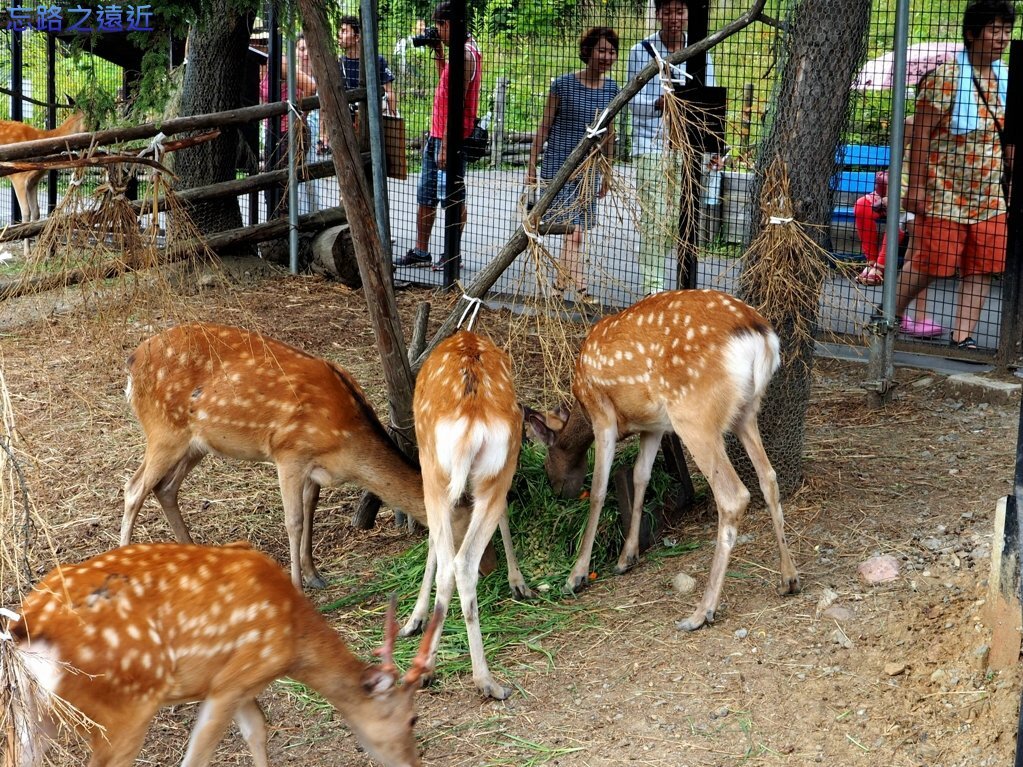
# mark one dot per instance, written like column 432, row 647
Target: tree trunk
column 825, row 48
column 217, row 51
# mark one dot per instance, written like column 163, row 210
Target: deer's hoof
column 413, row 627
column 695, row 621
column 575, row 584
column 316, row 582
column 789, row 586
column 492, row 689
column 522, row 591
column 626, row 563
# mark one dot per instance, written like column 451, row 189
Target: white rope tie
column 156, row 147
column 12, row 617
column 780, row 220
column 530, row 226
column 471, row 310
column 598, row 128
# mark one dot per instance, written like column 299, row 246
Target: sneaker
column 921, row 328
column 415, row 257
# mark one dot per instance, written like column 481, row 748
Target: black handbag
column 477, row 145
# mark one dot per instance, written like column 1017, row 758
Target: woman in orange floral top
column 955, row 168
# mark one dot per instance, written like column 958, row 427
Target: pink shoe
column 921, row 328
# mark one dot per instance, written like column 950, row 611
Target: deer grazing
column 469, row 429
column 26, row 183
column 696, row 362
column 205, row 388
column 128, row 632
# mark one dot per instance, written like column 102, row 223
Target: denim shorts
column 426, row 193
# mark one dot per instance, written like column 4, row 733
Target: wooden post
column 1003, row 604
column 671, row 512
column 374, row 262
column 746, row 118
column 497, row 124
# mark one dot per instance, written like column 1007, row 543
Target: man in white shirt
column 658, row 170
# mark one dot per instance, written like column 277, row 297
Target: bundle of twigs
column 22, row 702
column 784, row 269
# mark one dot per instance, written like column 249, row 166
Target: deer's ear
column 561, row 412
column 537, row 428
column 70, row 101
column 377, row 680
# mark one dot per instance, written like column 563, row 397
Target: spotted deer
column 696, row 362
column 205, row 388
column 123, row 634
column 26, row 183
column 469, row 429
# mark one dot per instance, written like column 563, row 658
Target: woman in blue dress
column 574, row 102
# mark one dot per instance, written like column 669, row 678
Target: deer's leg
column 421, row 612
column 438, row 515
column 604, row 441
column 649, row 444
column 166, row 492
column 252, row 722
column 731, row 497
column 749, row 434
column 519, row 588
column 215, row 714
column 310, row 497
column 20, row 181
column 118, row 744
column 157, row 464
column 32, row 193
column 292, row 477
column 490, row 507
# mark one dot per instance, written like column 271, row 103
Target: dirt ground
column 896, row 676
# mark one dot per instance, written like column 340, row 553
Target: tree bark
column 374, row 263
column 825, row 49
column 218, row 48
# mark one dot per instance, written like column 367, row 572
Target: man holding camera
column 435, row 152
column 658, row 170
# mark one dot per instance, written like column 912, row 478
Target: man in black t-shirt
column 349, row 41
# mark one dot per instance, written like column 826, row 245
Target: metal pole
column 293, row 128
column 17, row 113
column 455, row 178
column 374, row 96
column 883, row 328
column 273, row 125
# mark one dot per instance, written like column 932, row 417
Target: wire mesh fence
column 531, row 68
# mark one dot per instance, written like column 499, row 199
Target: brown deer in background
column 128, row 632
column 696, row 362
column 205, row 388
column 26, row 183
column 469, row 429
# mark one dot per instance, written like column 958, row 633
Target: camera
column 430, row 36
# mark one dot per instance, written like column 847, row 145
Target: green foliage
column 546, row 531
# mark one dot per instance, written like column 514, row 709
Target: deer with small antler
column 694, row 362
column 123, row 634
column 204, row 388
column 469, row 429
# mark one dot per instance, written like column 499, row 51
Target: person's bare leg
column 570, row 261
column 911, row 283
column 425, row 216
column 972, row 293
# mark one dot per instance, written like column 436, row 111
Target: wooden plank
column 1003, row 605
